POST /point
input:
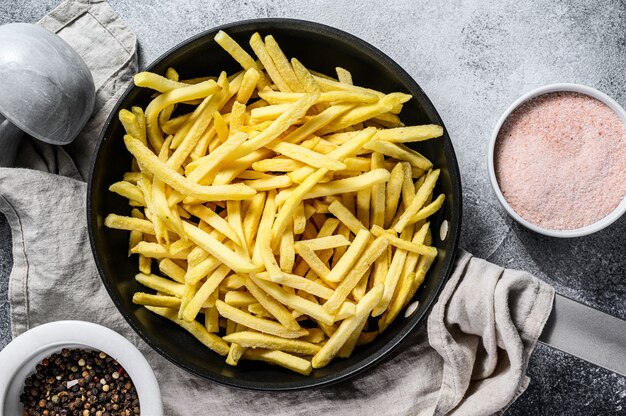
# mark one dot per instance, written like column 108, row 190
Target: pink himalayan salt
column 560, row 160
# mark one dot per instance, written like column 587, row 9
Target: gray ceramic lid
column 47, row 90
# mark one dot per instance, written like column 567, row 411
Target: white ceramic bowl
column 578, row 232
column 19, row 358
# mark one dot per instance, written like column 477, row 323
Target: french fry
column 285, row 214
column 156, row 82
column 141, row 298
column 203, row 293
column 120, row 222
column 172, row 270
column 189, row 92
column 410, row 134
column 418, row 201
column 325, row 243
column 393, row 193
column 233, row 260
column 341, row 335
column 212, row 341
column 240, row 55
column 399, row 152
column 430, row 209
column 291, row 362
column 275, row 308
column 296, row 302
column 376, row 248
column 298, row 282
column 261, row 325
column 249, row 83
column 151, row 162
column 251, row 339
column 287, row 252
column 161, row 284
column 347, row 261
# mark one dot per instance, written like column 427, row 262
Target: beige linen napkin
column 471, row 361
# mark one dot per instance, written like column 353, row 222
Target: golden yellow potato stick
column 156, row 82
column 141, row 298
column 210, row 217
column 157, row 251
column 202, row 295
column 121, row 222
column 393, row 274
column 347, row 261
column 296, row 111
column 252, row 218
column 375, row 250
column 233, row 260
column 174, row 179
column 248, row 85
column 299, row 220
column 141, row 121
column 172, row 270
column 285, row 214
column 160, row 284
column 393, row 193
column 282, row 64
column 207, row 166
column 325, row 243
column 307, row 81
column 314, row 262
column 240, row 55
column 305, row 155
column 405, row 282
column 343, row 75
column 239, row 299
column 347, row 327
column 301, row 283
column 341, row 186
column 360, row 114
column 418, row 201
column 290, row 362
column 430, row 209
column 348, row 149
column 296, row 302
column 221, row 128
column 404, row 244
column 266, row 184
column 286, row 250
column 400, row 152
column 131, row 124
column 164, row 100
column 261, row 52
column 278, row 97
column 251, row 339
column 275, row 308
column 378, row 193
column 212, row 341
column 411, row 134
column 261, row 325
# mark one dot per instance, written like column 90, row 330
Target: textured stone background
column 472, row 58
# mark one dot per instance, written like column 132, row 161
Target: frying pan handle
column 586, row 333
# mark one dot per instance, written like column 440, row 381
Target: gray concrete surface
column 472, row 58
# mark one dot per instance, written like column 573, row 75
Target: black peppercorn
column 79, row 382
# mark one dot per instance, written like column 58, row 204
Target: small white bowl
column 578, row 232
column 19, row 358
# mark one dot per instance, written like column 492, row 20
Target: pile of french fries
column 286, row 219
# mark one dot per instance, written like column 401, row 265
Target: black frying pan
column 320, row 48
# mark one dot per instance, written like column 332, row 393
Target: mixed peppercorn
column 79, row 382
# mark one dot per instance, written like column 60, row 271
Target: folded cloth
column 471, row 359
